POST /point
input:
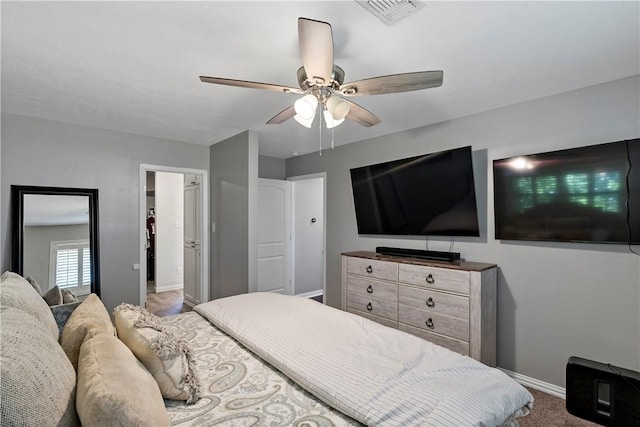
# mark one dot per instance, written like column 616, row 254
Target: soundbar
column 419, row 253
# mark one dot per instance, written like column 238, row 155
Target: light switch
column 213, row 227
column 136, row 267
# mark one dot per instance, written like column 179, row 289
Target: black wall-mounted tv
column 432, row 194
column 585, row 194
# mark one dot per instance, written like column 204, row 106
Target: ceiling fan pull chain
column 332, row 135
column 320, row 133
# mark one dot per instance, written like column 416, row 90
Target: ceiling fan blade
column 282, row 116
column 251, row 85
column 393, row 83
column 316, row 49
column 361, row 115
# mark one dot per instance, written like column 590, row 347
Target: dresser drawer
column 372, row 288
column 435, row 322
column 458, row 346
column 377, row 319
column 366, row 304
column 372, row 268
column 434, row 302
column 434, row 277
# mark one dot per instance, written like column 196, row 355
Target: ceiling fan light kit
column 321, row 82
column 339, row 108
column 306, row 106
column 304, row 122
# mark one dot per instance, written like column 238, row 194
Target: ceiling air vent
column 391, row 11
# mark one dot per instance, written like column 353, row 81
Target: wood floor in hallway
column 166, row 303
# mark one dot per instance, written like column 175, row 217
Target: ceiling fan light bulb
column 306, row 106
column 304, row 122
column 338, row 107
column 330, row 121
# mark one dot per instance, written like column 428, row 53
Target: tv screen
column 585, row 194
column 431, row 194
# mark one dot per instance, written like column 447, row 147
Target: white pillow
column 38, row 385
column 168, row 358
column 114, row 389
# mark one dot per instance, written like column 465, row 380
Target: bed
column 293, row 361
column 258, row 359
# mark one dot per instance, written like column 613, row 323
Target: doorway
column 189, row 187
column 291, row 236
column 309, row 235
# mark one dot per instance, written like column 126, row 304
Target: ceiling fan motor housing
column 337, row 77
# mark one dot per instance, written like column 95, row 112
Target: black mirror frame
column 17, row 210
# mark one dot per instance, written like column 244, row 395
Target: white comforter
column 374, row 374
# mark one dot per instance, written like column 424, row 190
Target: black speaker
column 603, row 393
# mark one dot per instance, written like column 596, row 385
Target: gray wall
column 272, row 167
column 37, row 244
column 234, row 180
column 554, row 300
column 41, row 152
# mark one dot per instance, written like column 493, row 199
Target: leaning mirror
column 55, row 237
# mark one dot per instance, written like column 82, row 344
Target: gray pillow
column 33, row 282
column 53, row 296
column 68, row 296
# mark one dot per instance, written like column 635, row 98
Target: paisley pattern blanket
column 377, row 375
column 238, row 388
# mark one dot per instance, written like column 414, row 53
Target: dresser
column 452, row 304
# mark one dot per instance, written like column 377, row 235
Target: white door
column 191, row 277
column 192, row 240
column 308, row 212
column 274, row 236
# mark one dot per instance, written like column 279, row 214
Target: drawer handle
column 369, row 289
column 369, row 307
column 430, row 302
column 430, row 279
column 369, row 269
column 429, row 323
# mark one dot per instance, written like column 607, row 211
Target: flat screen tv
column 432, row 194
column 585, row 194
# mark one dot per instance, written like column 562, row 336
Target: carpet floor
column 551, row 411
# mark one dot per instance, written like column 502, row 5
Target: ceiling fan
column 322, row 82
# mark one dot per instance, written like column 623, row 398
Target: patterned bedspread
column 238, row 388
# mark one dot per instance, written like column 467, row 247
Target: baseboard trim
column 310, row 294
column 543, row 386
column 168, row 287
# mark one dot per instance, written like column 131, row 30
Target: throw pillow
column 89, row 315
column 114, row 389
column 16, row 292
column 68, row 297
column 168, row 358
column 53, row 296
column 38, row 385
column 33, row 282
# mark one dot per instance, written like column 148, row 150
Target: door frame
column 322, row 175
column 204, row 218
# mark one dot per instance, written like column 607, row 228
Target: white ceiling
column 134, row 66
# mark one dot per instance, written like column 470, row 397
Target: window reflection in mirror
column 56, row 237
